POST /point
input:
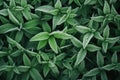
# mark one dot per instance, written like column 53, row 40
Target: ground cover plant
column 59, row 39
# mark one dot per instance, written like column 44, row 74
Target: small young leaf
column 47, row 9
column 106, row 8
column 114, row 58
column 27, row 14
column 100, row 59
column 86, row 39
column 4, row 12
column 41, row 44
column 46, row 70
column 58, row 4
column 62, row 19
column 92, row 48
column 76, row 42
column 67, row 65
column 106, row 32
column 40, row 36
column 98, row 36
column 26, row 60
column 35, row 74
column 2, row 53
column 12, row 17
column 12, row 3
column 46, row 27
column 113, row 10
column 53, row 44
column 23, row 68
column 13, row 42
column 23, row 3
column 105, row 46
column 7, row 28
column 92, row 72
column 90, row 2
column 80, row 56
column 82, row 29
column 61, row 35
column 104, row 75
column 45, row 56
column 113, row 40
column 98, row 18
column 109, row 67
column 19, row 36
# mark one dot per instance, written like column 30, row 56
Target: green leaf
column 100, row 59
column 47, row 9
column 26, row 60
column 23, row 68
column 80, row 56
column 2, row 53
column 92, row 72
column 113, row 10
column 7, row 28
column 105, row 46
column 45, row 56
column 58, row 4
column 109, row 67
column 35, row 74
column 23, row 3
column 41, row 44
column 61, row 19
column 31, row 23
column 106, row 32
column 19, row 36
column 40, row 36
column 13, row 18
column 106, row 8
column 104, row 75
column 82, row 29
column 46, row 70
column 61, row 35
column 98, row 36
column 53, row 44
column 67, row 65
column 12, row 3
column 86, row 39
column 90, row 2
column 4, row 12
column 113, row 40
column 98, row 18
column 13, row 42
column 76, row 42
column 46, row 27
column 92, row 48
column 27, row 14
column 114, row 58
column 54, row 68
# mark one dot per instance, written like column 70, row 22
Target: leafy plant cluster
column 59, row 39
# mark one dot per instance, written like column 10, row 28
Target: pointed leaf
column 82, row 29
column 40, row 36
column 61, row 35
column 92, row 72
column 80, row 56
column 35, row 74
column 26, row 60
column 100, row 59
column 53, row 44
column 86, row 39
column 58, row 4
column 41, row 44
column 106, row 8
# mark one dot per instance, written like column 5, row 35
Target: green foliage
column 59, row 39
